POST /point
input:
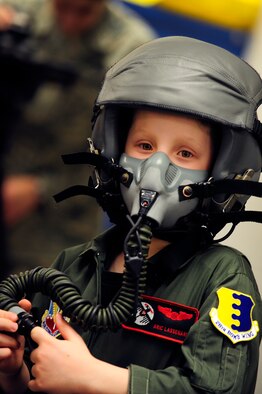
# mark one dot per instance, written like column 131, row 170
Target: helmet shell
column 184, row 75
column 187, row 76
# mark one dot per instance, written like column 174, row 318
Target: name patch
column 163, row 319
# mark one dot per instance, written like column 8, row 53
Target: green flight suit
column 207, row 361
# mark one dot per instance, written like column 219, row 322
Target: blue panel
column 168, row 23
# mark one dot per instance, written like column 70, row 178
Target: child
column 174, row 112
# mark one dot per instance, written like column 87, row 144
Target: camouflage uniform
column 57, row 121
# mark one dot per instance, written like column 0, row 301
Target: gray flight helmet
column 187, row 76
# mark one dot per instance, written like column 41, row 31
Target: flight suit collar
column 172, row 257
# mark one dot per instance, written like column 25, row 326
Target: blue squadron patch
column 233, row 317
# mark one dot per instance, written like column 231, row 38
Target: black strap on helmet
column 211, row 188
column 77, row 190
column 222, row 218
column 100, row 162
column 228, row 186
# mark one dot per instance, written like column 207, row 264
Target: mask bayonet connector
column 147, row 199
column 134, row 263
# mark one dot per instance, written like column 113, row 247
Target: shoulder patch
column 233, row 316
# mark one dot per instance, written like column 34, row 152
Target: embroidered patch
column 48, row 321
column 233, row 317
column 163, row 319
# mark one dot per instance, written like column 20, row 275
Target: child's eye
column 145, row 146
column 185, row 153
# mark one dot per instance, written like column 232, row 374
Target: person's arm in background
column 25, row 5
column 12, row 11
column 7, row 15
column 22, row 194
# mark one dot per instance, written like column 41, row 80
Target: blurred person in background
column 89, row 35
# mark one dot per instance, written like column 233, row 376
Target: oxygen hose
column 62, row 290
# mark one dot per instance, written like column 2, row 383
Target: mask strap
column 228, row 186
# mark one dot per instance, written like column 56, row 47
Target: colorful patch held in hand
column 233, row 317
column 48, row 321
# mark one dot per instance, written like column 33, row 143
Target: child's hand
column 11, row 343
column 60, row 366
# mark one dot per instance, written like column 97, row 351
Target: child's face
column 187, row 142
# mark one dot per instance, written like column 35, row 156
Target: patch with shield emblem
column 48, row 321
column 233, row 316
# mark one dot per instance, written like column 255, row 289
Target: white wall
column 248, row 236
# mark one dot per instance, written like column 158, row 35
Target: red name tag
column 163, row 319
